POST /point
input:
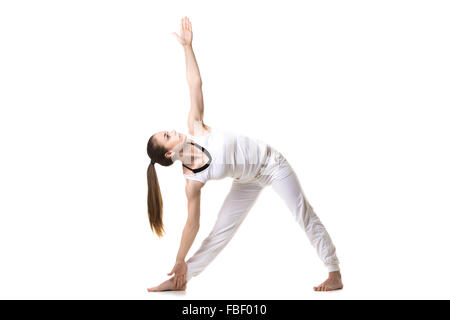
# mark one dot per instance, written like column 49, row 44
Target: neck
column 188, row 154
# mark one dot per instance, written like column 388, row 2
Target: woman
column 209, row 153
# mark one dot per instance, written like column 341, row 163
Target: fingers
column 186, row 24
column 174, row 279
column 180, row 281
column 189, row 25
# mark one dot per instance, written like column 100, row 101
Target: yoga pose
column 211, row 153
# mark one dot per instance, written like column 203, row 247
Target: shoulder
column 193, row 188
column 194, row 180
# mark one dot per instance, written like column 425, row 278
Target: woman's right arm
column 193, row 192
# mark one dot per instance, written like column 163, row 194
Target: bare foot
column 334, row 282
column 168, row 285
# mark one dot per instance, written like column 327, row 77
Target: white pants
column 238, row 203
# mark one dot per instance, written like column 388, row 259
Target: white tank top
column 233, row 155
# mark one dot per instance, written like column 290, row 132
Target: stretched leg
column 289, row 189
column 237, row 204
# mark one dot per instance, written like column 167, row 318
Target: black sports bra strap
column 206, row 165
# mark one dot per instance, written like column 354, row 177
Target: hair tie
column 152, row 163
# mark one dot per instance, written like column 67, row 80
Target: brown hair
column 154, row 199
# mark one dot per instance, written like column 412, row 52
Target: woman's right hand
column 185, row 37
column 179, row 271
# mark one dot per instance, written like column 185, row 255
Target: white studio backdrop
column 355, row 94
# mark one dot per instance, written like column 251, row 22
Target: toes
column 319, row 288
column 322, row 287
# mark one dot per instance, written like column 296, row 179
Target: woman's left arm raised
column 194, row 80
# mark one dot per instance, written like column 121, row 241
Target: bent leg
column 290, row 191
column 237, row 204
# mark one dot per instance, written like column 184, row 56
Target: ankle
column 335, row 274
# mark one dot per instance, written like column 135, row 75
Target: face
column 169, row 139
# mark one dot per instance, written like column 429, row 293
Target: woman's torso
column 233, row 155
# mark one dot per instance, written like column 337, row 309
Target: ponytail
column 154, row 202
column 154, row 198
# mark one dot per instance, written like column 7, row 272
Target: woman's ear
column 169, row 154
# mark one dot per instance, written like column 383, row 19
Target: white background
column 355, row 94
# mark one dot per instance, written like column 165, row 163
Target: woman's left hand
column 179, row 269
column 185, row 36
